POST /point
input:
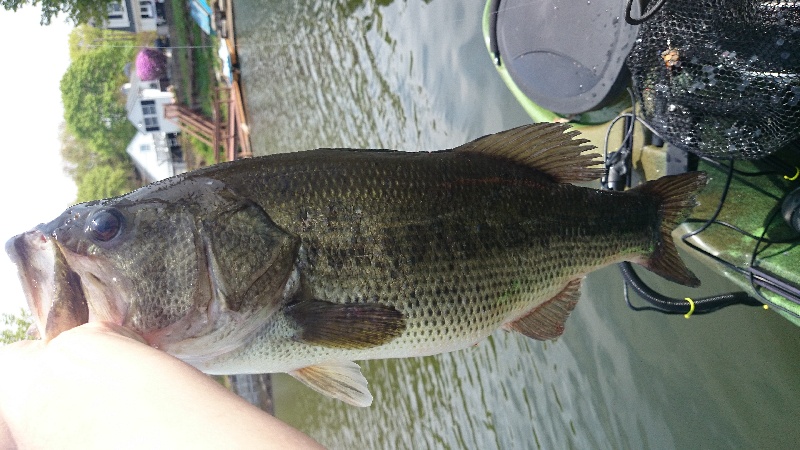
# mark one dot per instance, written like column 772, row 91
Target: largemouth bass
column 305, row 262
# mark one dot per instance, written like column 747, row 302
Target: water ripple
column 416, row 76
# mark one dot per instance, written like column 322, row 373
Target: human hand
column 100, row 386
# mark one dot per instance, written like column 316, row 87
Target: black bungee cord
column 686, row 306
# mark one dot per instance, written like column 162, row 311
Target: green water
column 415, row 75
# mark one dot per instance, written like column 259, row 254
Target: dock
column 237, row 117
column 226, row 132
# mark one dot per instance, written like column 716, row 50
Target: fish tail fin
column 676, row 196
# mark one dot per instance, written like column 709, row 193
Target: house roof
column 134, row 88
column 138, row 90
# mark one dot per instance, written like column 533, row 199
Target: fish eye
column 105, row 225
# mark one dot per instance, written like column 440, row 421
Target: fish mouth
column 53, row 291
column 34, row 256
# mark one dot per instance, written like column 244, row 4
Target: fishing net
column 721, row 78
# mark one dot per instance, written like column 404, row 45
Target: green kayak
column 749, row 242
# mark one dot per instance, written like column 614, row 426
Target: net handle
column 646, row 15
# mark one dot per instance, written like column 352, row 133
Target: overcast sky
column 33, row 186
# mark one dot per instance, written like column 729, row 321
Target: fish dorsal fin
column 547, row 320
column 349, row 326
column 547, row 147
column 341, row 380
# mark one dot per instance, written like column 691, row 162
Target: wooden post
column 216, row 133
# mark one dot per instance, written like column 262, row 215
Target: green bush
column 15, row 328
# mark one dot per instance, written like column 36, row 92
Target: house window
column 115, row 11
column 148, row 12
column 150, row 115
column 144, row 148
column 151, row 124
column 172, row 140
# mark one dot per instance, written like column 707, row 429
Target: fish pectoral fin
column 546, row 321
column 348, row 326
column 551, row 148
column 341, row 380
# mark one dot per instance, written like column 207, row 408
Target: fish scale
column 308, row 261
column 425, row 226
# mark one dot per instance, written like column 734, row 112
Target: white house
column 154, row 150
column 145, row 106
column 134, row 15
column 156, row 155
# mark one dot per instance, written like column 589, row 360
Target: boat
column 588, row 64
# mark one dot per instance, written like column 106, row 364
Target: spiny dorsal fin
column 350, row 326
column 547, row 147
column 547, row 320
column 341, row 380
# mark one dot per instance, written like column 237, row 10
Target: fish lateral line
column 497, row 181
column 302, row 263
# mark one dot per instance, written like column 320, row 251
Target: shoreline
column 256, row 389
column 237, row 112
column 209, row 106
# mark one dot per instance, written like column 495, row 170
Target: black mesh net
column 721, row 77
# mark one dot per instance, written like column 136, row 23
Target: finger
column 109, row 327
column 101, row 329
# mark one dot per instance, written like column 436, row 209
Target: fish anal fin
column 547, row 147
column 546, row 321
column 340, row 380
column 348, row 326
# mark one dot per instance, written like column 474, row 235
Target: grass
column 203, row 82
column 202, row 150
column 195, row 55
column 182, row 52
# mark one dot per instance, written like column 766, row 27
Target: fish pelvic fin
column 551, row 148
column 341, row 380
column 347, row 326
column 677, row 196
column 69, row 308
column 546, row 321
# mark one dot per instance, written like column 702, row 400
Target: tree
column 86, row 38
column 151, row 64
column 77, row 11
column 103, row 181
column 95, row 175
column 96, row 130
column 78, row 157
column 93, row 104
column 15, row 327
